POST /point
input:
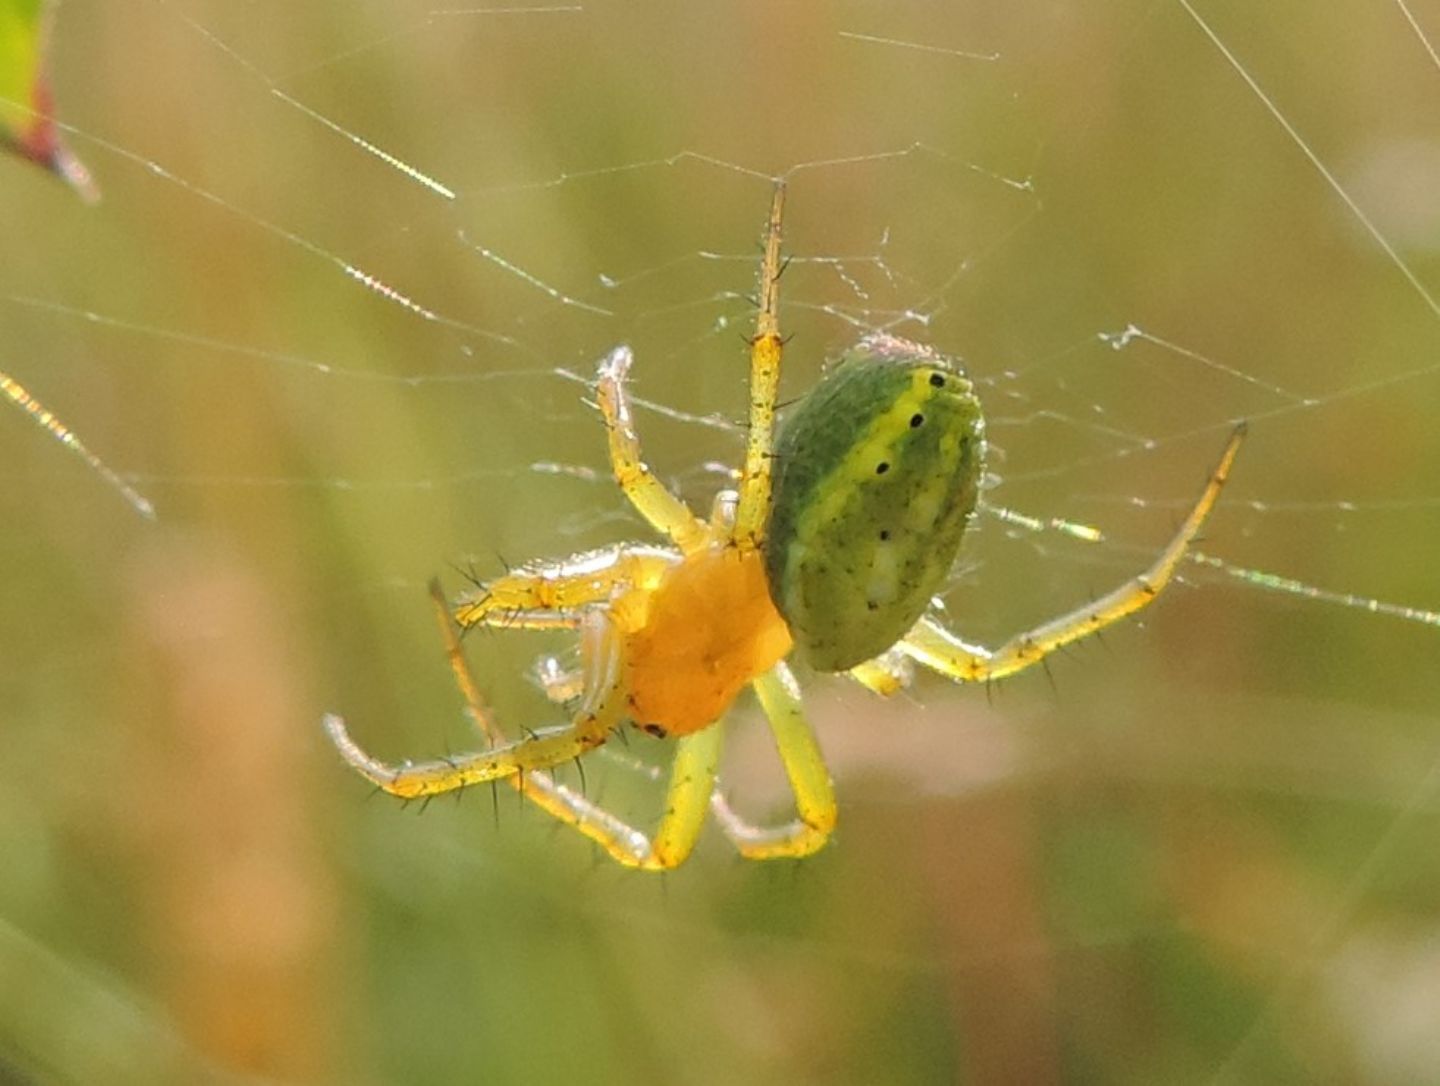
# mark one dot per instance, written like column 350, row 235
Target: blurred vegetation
column 1203, row 851
column 27, row 123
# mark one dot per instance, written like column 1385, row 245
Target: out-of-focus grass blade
column 27, row 124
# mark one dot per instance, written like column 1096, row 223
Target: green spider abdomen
column 877, row 473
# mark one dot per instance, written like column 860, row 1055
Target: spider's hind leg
column 804, row 766
column 886, row 674
column 932, row 645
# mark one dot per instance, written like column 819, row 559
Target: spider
column 844, row 525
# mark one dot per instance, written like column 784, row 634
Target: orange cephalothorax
column 694, row 642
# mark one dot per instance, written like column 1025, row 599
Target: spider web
column 335, row 318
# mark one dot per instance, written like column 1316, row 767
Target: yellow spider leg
column 937, row 648
column 692, row 779
column 475, row 705
column 765, row 350
column 665, row 512
column 886, row 674
column 548, row 596
column 601, row 713
column 809, row 779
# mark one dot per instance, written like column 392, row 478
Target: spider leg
column 765, row 350
column 804, row 766
column 544, row 596
column 692, row 779
column 887, row 674
column 475, row 706
column 599, row 714
column 664, row 511
column 550, row 596
column 930, row 644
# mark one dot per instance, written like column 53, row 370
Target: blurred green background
column 1202, row 851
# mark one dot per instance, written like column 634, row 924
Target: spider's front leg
column 553, row 595
column 930, row 644
column 663, row 510
column 765, row 351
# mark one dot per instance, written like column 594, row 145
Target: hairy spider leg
column 543, row 596
column 886, row 674
column 932, row 645
column 805, row 767
column 550, row 595
column 663, row 510
column 753, row 508
column 600, row 713
column 692, row 779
